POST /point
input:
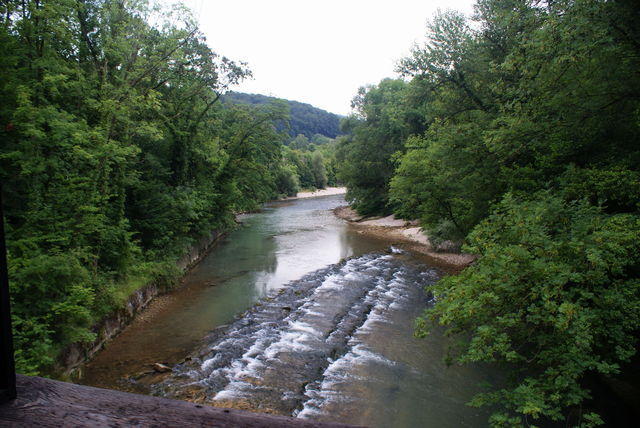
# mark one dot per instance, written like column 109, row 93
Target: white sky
column 318, row 52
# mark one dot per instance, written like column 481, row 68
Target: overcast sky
column 318, row 52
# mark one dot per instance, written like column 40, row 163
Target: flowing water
column 306, row 318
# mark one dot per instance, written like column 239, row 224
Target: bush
column 287, row 181
column 52, row 297
column 554, row 296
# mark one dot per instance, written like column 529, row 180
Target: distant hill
column 305, row 118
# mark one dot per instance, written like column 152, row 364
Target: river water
column 297, row 313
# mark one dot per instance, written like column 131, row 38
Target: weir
column 36, row 401
column 306, row 350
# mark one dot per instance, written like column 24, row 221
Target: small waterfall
column 305, row 350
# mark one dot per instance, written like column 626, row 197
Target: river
column 297, row 313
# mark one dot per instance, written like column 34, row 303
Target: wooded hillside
column 305, row 119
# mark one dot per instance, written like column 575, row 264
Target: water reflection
column 281, row 244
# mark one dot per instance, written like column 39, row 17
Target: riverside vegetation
column 117, row 154
column 516, row 133
column 519, row 133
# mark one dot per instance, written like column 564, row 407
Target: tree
column 116, row 155
column 376, row 132
column 319, row 171
column 554, row 295
column 301, row 142
column 520, row 138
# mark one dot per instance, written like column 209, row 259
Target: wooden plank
column 49, row 403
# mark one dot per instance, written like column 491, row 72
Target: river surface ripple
column 335, row 345
column 301, row 315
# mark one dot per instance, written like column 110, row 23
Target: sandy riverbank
column 407, row 233
column 321, row 192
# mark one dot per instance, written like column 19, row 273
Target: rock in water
column 161, row 368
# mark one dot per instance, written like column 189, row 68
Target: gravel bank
column 407, row 233
column 321, row 192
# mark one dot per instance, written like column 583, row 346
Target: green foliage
column 447, row 179
column 255, row 152
column 319, row 171
column 301, row 142
column 287, row 181
column 117, row 155
column 314, row 166
column 554, row 294
column 312, row 154
column 304, row 120
column 51, row 297
column 376, row 133
column 519, row 134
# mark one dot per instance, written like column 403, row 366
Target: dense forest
column 518, row 133
column 117, row 154
column 305, row 119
